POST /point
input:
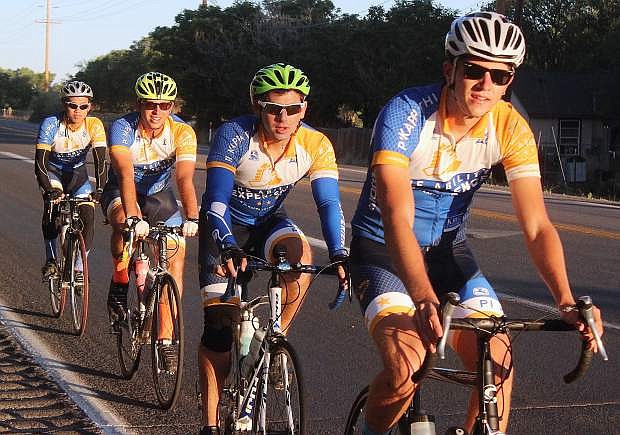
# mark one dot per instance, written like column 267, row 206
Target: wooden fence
column 351, row 144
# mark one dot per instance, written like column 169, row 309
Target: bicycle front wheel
column 167, row 341
column 128, row 331
column 79, row 290
column 357, row 418
column 285, row 408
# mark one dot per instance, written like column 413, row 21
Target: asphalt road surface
column 337, row 355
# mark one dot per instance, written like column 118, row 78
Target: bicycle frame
column 71, row 224
column 487, row 421
column 158, row 235
column 483, row 379
column 252, row 391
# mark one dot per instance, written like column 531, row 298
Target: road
column 337, row 355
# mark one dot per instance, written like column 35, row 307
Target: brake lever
column 584, row 305
column 448, row 310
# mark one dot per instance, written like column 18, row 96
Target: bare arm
column 185, row 182
column 396, row 202
column 541, row 238
column 121, row 162
column 545, row 248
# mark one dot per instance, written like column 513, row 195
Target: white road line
column 17, row 156
column 26, row 159
column 96, row 409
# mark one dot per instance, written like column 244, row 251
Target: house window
column 570, row 134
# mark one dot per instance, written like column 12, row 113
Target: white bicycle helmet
column 76, row 89
column 487, row 35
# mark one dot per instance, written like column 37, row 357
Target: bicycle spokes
column 167, row 342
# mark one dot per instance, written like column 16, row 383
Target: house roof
column 568, row 95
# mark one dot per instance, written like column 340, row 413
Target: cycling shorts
column 258, row 241
column 159, row 207
column 450, row 269
column 74, row 183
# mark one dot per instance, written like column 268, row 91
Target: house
column 575, row 118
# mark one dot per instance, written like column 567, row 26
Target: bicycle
column 152, row 296
column 67, row 278
column 414, row 421
column 263, row 392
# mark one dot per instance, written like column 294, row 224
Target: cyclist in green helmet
column 254, row 162
column 148, row 149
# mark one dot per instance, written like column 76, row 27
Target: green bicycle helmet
column 156, row 86
column 279, row 76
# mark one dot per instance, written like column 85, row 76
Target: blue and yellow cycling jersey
column 152, row 158
column 412, row 132
column 245, row 186
column 68, row 147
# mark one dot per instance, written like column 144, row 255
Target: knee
column 217, row 335
column 398, row 377
column 217, row 338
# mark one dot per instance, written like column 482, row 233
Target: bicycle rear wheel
column 57, row 292
column 79, row 291
column 128, row 339
column 167, row 341
column 285, row 403
column 357, row 418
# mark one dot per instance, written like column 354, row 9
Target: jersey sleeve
column 396, row 132
column 323, row 159
column 47, row 131
column 185, row 138
column 215, row 206
column 95, row 129
column 122, row 135
column 519, row 151
column 327, row 198
column 230, row 142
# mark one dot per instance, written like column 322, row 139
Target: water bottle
column 246, row 332
column 422, row 423
column 248, row 362
column 141, row 269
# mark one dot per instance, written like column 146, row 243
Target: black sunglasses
column 77, row 106
column 499, row 77
column 276, row 109
column 150, row 105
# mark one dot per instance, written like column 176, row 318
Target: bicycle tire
column 278, row 398
column 356, row 418
column 227, row 406
column 128, row 339
column 167, row 382
column 79, row 295
column 58, row 294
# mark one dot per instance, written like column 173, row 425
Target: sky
column 82, row 30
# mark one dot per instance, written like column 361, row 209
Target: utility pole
column 48, row 24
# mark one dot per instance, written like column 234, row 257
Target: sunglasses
column 150, row 105
column 499, row 77
column 77, row 106
column 276, row 109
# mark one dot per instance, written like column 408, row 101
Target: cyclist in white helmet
column 60, row 164
column 432, row 148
